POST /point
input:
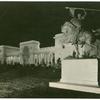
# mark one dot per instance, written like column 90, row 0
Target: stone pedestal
column 79, row 75
column 80, row 71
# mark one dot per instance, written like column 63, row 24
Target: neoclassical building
column 29, row 52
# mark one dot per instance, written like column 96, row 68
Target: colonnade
column 40, row 58
column 36, row 58
column 12, row 59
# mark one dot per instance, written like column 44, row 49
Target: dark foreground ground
column 32, row 82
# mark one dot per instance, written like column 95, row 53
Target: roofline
column 9, row 46
column 31, row 41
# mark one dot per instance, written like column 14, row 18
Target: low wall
column 80, row 71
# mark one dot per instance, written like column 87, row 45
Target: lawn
column 19, row 81
column 33, row 82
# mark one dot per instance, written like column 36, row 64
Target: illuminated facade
column 29, row 52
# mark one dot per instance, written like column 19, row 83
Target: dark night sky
column 22, row 21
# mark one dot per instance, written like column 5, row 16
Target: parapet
column 30, row 42
column 9, row 47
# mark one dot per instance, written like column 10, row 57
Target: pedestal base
column 76, row 87
column 81, row 82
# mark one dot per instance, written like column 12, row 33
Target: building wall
column 26, row 51
column 12, row 54
column 2, row 54
column 9, row 52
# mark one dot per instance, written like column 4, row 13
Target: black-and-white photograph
column 49, row 49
